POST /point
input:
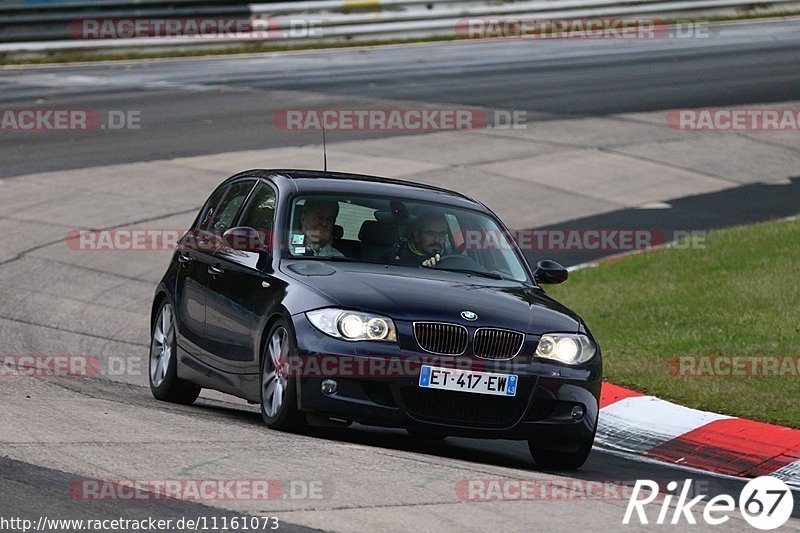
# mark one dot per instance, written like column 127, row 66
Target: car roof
column 317, row 181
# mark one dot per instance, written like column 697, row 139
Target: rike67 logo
column 765, row 503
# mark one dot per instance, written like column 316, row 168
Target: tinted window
column 226, row 212
column 260, row 211
column 211, row 208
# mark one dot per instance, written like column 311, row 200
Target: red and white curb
column 645, row 425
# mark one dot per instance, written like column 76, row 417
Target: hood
column 413, row 294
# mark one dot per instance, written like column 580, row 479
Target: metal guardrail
column 338, row 5
column 33, row 5
column 47, row 21
column 334, row 12
column 44, row 8
column 336, row 20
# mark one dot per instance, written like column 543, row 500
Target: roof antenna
column 324, row 150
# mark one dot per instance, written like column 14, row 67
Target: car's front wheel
column 164, row 381
column 278, row 388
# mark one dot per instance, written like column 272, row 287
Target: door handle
column 215, row 271
column 184, row 259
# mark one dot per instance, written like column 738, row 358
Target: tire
column 163, row 368
column 278, row 390
column 561, row 460
column 425, row 437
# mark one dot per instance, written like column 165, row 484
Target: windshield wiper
column 483, row 273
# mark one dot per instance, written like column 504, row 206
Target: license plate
column 434, row 377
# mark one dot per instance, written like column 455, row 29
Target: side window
column 226, row 212
column 259, row 213
column 211, row 208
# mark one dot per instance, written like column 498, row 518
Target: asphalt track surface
column 201, row 106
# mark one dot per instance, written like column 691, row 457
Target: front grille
column 462, row 408
column 441, row 338
column 497, row 343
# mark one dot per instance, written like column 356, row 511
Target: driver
column 426, row 240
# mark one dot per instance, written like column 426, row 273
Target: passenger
column 316, row 223
column 425, row 243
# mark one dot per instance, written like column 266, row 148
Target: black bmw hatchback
column 336, row 298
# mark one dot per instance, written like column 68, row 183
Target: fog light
column 329, row 386
column 577, row 412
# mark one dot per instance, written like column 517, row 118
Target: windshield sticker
column 298, row 238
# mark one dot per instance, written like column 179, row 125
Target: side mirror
column 245, row 239
column 550, row 272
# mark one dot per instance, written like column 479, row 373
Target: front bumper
column 378, row 384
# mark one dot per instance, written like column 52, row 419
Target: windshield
column 401, row 232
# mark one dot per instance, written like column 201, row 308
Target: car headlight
column 353, row 325
column 569, row 348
